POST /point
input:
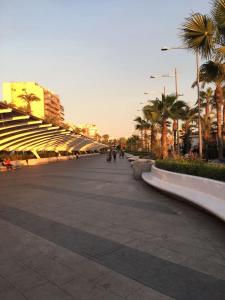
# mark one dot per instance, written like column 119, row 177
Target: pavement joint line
column 196, row 225
column 132, row 203
column 140, row 266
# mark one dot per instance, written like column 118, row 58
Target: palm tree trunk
column 207, row 106
column 152, row 137
column 145, row 139
column 219, row 102
column 164, row 138
column 206, row 142
column 175, row 127
column 224, row 120
column 28, row 107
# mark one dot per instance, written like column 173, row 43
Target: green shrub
column 143, row 154
column 193, row 167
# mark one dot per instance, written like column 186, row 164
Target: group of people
column 113, row 154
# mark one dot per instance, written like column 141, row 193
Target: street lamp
column 168, row 75
column 176, row 123
column 198, row 94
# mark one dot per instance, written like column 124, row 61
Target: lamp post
column 175, row 123
column 175, row 75
column 198, row 92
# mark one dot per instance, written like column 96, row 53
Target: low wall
column 206, row 193
column 46, row 160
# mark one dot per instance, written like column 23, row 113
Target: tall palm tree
column 206, row 98
column 206, row 35
column 197, row 33
column 189, row 117
column 28, row 99
column 146, row 127
column 207, row 122
column 132, row 142
column 105, row 138
column 140, row 125
column 169, row 107
column 218, row 15
column 214, row 72
column 153, row 116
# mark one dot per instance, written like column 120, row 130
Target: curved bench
column 203, row 192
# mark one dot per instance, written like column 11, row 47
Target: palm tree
column 146, row 127
column 218, row 15
column 207, row 122
column 105, row 138
column 169, row 107
column 132, row 143
column 153, row 116
column 28, row 99
column 140, row 127
column 189, row 116
column 197, row 33
column 206, row 98
column 214, row 72
column 206, row 35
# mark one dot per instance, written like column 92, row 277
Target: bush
column 143, row 154
column 193, row 167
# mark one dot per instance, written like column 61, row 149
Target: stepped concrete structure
column 22, row 132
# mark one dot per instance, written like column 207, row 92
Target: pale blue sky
column 97, row 54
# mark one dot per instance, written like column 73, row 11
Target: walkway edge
column 204, row 193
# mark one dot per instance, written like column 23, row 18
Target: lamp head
column 164, row 48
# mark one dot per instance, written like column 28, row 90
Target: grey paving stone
column 12, row 294
column 26, row 280
column 10, row 267
column 50, row 269
column 47, row 292
column 4, row 284
column 145, row 293
column 61, row 222
column 81, row 289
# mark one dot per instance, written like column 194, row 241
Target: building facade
column 13, row 90
column 48, row 105
column 90, row 130
column 54, row 111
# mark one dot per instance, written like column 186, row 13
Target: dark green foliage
column 193, row 167
column 142, row 154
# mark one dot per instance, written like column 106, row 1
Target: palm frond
column 197, row 33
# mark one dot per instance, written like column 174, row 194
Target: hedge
column 142, row 154
column 191, row 167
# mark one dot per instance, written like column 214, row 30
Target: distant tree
column 105, row 138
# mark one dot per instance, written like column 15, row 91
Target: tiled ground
column 86, row 229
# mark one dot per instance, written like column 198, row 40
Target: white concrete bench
column 203, row 192
column 131, row 157
column 141, row 165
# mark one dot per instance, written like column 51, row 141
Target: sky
column 98, row 55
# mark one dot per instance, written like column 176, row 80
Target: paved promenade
column 86, row 230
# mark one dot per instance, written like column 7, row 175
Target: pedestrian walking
column 114, row 154
column 121, row 153
column 109, row 156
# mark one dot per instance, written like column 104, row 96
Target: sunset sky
column 97, row 54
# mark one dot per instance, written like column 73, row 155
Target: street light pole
column 199, row 107
column 198, row 93
column 175, row 122
column 176, row 81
